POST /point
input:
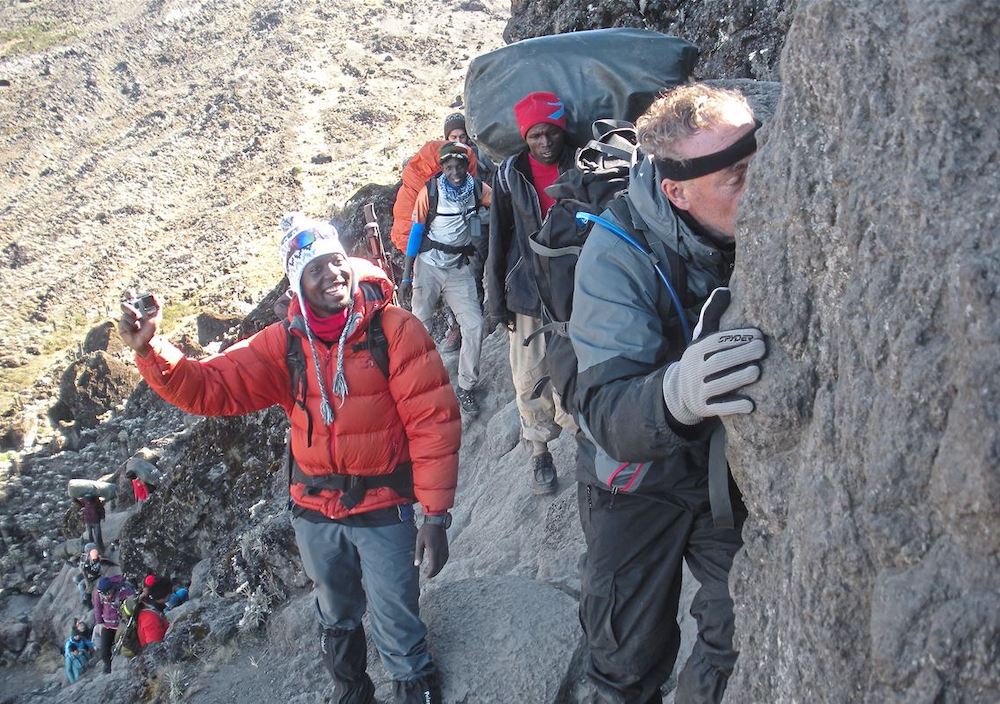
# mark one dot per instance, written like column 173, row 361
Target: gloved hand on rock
column 715, row 365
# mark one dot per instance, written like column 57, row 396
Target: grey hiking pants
column 458, row 286
column 630, row 588
column 356, row 567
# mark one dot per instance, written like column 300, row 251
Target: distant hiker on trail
column 93, row 514
column 519, row 206
column 454, row 131
column 139, row 488
column 445, row 244
column 152, row 624
column 652, row 402
column 111, row 592
column 180, row 596
column 374, row 425
column 77, row 652
column 92, row 567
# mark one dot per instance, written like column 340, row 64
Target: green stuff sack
column 127, row 638
column 599, row 74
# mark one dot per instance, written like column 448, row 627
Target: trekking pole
column 376, row 250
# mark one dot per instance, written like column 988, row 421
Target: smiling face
column 713, row 199
column 326, row 284
column 545, row 142
column 455, row 170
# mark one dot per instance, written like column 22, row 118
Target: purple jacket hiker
column 93, row 509
column 105, row 609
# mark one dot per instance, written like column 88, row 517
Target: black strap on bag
column 718, row 480
column 376, row 343
column 354, row 487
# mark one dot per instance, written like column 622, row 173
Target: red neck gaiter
column 543, row 176
column 327, row 329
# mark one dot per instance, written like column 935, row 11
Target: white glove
column 700, row 385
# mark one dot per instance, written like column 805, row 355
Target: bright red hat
column 538, row 107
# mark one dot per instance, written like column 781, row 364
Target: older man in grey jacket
column 649, row 402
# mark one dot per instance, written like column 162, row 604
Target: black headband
column 687, row 169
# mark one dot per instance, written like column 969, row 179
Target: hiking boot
column 467, row 398
column 426, row 690
column 345, row 654
column 452, row 341
column 545, row 479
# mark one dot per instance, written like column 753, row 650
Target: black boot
column 426, row 690
column 345, row 654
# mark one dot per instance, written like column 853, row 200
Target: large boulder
column 103, row 337
column 95, row 384
column 868, row 254
column 737, row 38
column 491, row 635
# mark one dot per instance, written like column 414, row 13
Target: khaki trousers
column 542, row 418
column 458, row 286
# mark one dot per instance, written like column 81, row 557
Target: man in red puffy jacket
column 152, row 624
column 365, row 444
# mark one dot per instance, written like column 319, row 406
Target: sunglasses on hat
column 302, row 240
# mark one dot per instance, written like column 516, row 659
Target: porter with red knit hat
column 536, row 108
column 520, row 204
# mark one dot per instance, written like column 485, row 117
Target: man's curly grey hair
column 685, row 111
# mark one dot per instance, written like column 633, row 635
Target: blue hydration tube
column 583, row 218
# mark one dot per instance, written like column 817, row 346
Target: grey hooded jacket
column 625, row 332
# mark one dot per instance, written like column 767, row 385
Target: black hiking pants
column 95, row 536
column 107, row 642
column 631, row 585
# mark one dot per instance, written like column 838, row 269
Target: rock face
column 224, row 469
column 868, row 254
column 103, row 337
column 737, row 38
column 93, row 385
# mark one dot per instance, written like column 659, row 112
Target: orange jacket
column 411, row 417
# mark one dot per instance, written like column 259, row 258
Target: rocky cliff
column 868, row 253
column 737, row 38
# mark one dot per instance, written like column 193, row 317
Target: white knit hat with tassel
column 302, row 240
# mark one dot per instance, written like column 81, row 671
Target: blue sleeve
column 416, row 237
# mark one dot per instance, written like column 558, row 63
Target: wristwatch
column 439, row 519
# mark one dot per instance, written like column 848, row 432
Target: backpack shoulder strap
column 432, row 202
column 634, row 236
column 298, row 379
column 675, row 266
column 295, row 360
column 477, row 191
column 378, row 343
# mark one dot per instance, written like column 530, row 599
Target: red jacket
column 140, row 490
column 411, row 417
column 152, row 625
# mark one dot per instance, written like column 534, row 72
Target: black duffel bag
column 598, row 74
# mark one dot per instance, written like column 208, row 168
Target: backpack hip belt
column 353, row 486
column 428, row 244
